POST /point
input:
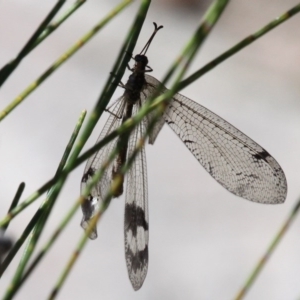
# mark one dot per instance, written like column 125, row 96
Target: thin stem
column 11, row 66
column 61, row 60
column 71, row 143
column 187, row 54
column 239, row 46
column 14, row 203
column 18, row 244
column 262, row 262
column 52, row 181
column 5, row 245
column 55, row 24
column 94, row 180
column 38, row 221
column 210, row 19
column 28, row 201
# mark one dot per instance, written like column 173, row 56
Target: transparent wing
column 92, row 203
column 229, row 156
column 136, row 211
column 147, row 92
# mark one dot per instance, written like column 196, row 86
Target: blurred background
column 204, row 241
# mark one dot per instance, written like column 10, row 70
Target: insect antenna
column 156, row 28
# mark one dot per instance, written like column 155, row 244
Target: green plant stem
column 33, row 42
column 28, row 201
column 71, row 143
column 61, row 60
column 186, row 56
column 11, row 66
column 239, row 46
column 14, row 203
column 262, row 262
column 209, row 20
column 18, row 244
column 52, row 181
column 55, row 24
column 38, row 221
column 95, row 178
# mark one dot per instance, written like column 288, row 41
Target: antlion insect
column 229, row 156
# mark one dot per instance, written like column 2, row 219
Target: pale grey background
column 204, row 241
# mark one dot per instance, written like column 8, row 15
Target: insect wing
column 136, row 211
column 229, row 156
column 148, row 91
column 91, row 204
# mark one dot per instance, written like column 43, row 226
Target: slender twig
column 94, row 180
column 55, row 24
column 187, row 54
column 28, row 201
column 129, row 125
column 18, row 244
column 71, row 143
column 11, row 66
column 14, row 203
column 5, row 244
column 262, row 262
column 239, row 46
column 62, row 59
column 209, row 20
column 39, row 220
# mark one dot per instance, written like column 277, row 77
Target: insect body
column 136, row 209
column 131, row 97
column 229, row 156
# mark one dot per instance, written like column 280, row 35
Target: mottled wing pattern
column 92, row 203
column 136, row 211
column 229, row 156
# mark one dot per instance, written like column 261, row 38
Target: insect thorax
column 134, row 86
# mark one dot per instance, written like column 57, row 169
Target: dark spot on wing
column 90, row 172
column 139, row 260
column 169, row 122
column 188, row 141
column 262, row 155
column 134, row 217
